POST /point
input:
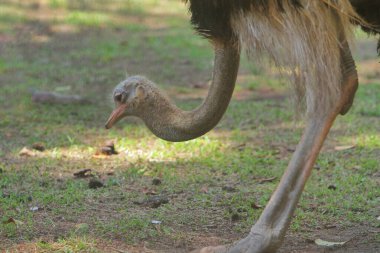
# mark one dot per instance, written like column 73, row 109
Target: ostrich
column 308, row 37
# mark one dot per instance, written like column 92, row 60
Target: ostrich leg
column 269, row 231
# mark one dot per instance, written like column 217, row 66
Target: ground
column 158, row 196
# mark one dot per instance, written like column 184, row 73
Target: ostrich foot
column 263, row 242
column 216, row 249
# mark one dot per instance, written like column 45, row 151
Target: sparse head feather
column 133, row 81
column 135, row 90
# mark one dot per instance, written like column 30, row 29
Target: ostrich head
column 130, row 97
column 137, row 96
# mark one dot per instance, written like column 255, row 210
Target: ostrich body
column 310, row 37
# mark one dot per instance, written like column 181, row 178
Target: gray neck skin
column 170, row 123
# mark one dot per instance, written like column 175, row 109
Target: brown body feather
column 303, row 37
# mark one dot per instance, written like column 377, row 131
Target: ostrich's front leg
column 269, row 231
column 267, row 234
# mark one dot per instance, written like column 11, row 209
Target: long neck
column 173, row 124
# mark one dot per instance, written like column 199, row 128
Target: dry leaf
column 83, row 173
column 148, row 191
column 239, row 147
column 10, row 220
column 328, row 226
column 256, row 206
column 342, row 148
column 56, row 98
column 26, row 152
column 110, row 173
column 14, row 221
column 266, row 180
column 323, row 243
column 204, row 189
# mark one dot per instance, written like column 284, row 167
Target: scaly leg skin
column 267, row 234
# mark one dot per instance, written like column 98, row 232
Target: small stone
column 235, row 217
column 108, row 148
column 228, row 188
column 156, row 181
column 94, row 184
column 157, row 201
column 153, row 202
column 39, row 147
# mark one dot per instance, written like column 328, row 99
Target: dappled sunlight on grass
column 133, row 150
column 147, row 13
column 158, row 150
column 364, row 140
column 73, row 243
column 87, row 19
column 71, row 153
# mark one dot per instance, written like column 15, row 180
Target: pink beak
column 116, row 115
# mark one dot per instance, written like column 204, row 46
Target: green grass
column 253, row 141
column 87, row 19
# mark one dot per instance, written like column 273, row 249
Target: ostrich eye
column 119, row 97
